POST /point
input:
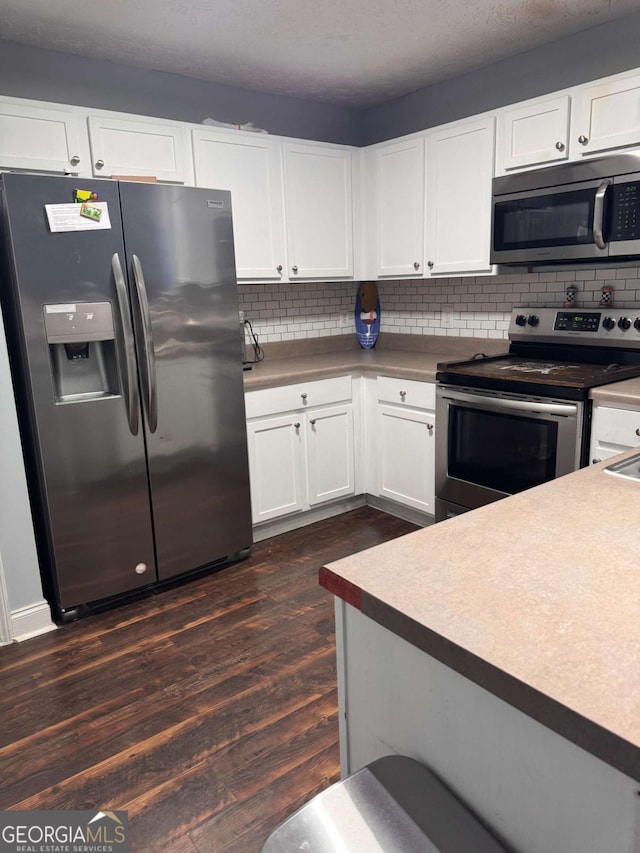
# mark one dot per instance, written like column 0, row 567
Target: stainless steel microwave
column 576, row 212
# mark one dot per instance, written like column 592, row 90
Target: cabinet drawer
column 406, row 392
column 302, row 395
column 616, row 426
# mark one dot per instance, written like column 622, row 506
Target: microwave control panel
column 625, row 212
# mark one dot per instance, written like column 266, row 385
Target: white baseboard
column 301, row 519
column 30, row 621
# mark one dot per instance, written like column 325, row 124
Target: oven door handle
column 562, row 409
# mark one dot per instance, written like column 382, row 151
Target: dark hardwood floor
column 208, row 711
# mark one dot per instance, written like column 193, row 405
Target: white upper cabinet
column 534, row 134
column 41, row 139
column 458, row 197
column 397, row 172
column 318, row 210
column 607, row 116
column 135, row 147
column 250, row 167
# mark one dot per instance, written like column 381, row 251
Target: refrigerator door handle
column 132, row 397
column 147, row 334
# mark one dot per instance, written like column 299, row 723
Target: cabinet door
column 318, row 211
column 399, row 207
column 458, row 190
column 39, row 139
column 124, row 147
column 330, row 462
column 607, row 116
column 406, row 457
column 276, row 466
column 250, row 167
column 613, row 431
column 602, row 452
column 534, row 134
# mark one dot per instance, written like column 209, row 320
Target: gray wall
column 598, row 52
column 45, row 75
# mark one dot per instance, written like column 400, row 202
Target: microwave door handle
column 598, row 214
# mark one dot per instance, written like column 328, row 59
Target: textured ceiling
column 354, row 52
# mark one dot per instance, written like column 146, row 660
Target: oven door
column 491, row 445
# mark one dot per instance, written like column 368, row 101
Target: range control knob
column 532, row 320
column 608, row 323
column 521, row 320
column 624, row 323
column 636, row 323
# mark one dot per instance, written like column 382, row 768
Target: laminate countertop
column 402, row 356
column 625, row 394
column 535, row 598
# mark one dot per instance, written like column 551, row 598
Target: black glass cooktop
column 540, row 376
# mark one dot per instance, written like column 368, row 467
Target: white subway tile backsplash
column 480, row 305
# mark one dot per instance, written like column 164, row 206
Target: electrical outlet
column 446, row 319
column 243, row 316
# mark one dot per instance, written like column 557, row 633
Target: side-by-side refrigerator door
column 181, row 267
column 75, row 369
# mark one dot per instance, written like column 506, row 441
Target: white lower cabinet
column 301, row 446
column 405, row 442
column 330, row 440
column 613, row 431
column 275, row 467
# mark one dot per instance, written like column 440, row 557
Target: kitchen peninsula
column 502, row 649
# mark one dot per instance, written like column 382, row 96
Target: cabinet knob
column 304, row 396
column 560, row 146
column 294, row 268
column 312, row 422
column 403, row 394
column 582, row 139
column 430, row 264
column 74, row 160
column 429, row 427
column 279, row 268
column 638, row 431
column 297, row 425
column 99, row 164
column 141, row 568
column 416, row 265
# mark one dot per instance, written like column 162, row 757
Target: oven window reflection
column 509, row 453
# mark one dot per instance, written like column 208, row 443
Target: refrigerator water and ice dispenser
column 82, row 351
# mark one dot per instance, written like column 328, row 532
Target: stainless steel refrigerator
column 122, row 322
